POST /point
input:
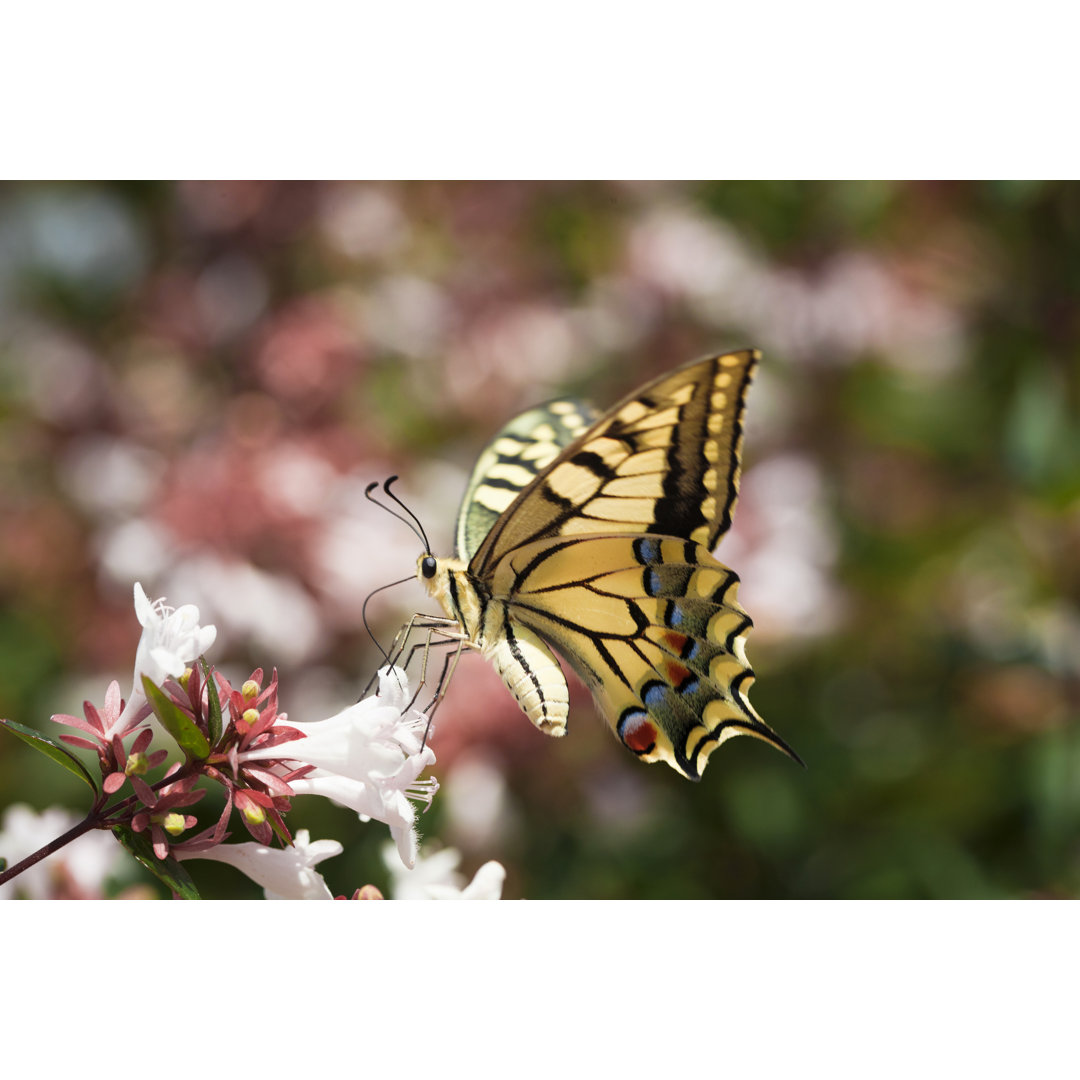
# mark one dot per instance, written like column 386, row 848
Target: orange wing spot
column 640, row 737
column 675, row 642
column 676, row 673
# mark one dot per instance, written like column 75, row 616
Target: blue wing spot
column 691, row 686
column 653, row 585
column 646, row 550
column 690, row 649
column 673, row 616
column 654, row 694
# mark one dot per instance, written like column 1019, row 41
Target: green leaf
column 214, row 719
column 177, row 723
column 58, row 753
column 279, row 830
column 167, row 870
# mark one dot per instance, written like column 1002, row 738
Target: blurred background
column 198, row 380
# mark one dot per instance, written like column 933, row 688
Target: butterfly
column 591, row 534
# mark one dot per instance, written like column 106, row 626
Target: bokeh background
column 198, row 380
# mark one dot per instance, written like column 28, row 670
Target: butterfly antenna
column 419, row 527
column 412, row 520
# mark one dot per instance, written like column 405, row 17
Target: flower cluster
column 107, row 727
column 369, row 757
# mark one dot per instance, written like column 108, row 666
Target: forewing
column 514, row 459
column 664, row 461
column 653, row 627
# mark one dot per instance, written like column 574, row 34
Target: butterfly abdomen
column 529, row 669
column 524, row 663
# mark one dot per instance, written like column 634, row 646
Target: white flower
column 370, row 801
column 369, row 758
column 80, row 867
column 284, row 873
column 170, row 640
column 435, row 878
column 486, row 884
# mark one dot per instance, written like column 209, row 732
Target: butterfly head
column 449, row 582
column 433, row 576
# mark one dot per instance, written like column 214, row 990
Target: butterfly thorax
column 524, row 662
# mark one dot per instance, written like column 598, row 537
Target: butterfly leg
column 447, row 638
column 449, row 667
column 432, row 623
column 449, row 633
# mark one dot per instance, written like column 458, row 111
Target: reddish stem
column 94, row 820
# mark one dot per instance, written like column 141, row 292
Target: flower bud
column 250, row 690
column 136, row 765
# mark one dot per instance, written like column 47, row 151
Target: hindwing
column 653, row 627
column 513, row 460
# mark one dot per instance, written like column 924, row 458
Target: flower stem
column 96, row 819
column 89, row 822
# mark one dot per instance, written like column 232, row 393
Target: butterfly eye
column 428, row 566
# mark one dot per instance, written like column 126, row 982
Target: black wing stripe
column 693, row 416
column 723, row 522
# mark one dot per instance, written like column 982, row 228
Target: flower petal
column 486, row 884
column 284, row 874
column 170, row 640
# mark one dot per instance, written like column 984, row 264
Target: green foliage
column 214, row 718
column 177, row 723
column 168, row 871
column 60, row 754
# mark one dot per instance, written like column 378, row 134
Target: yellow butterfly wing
column 601, row 549
column 664, row 460
column 653, row 627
